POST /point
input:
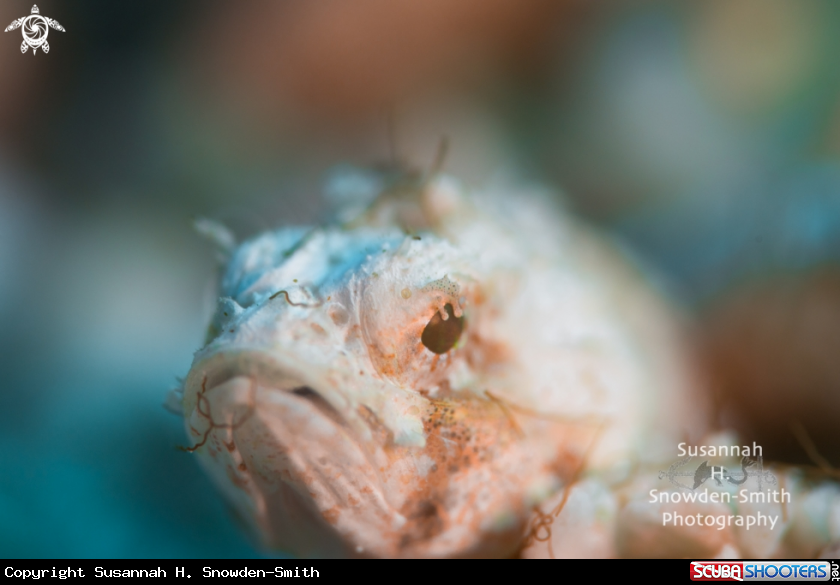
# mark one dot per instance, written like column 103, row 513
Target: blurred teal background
column 704, row 134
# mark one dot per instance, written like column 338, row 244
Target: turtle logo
column 35, row 30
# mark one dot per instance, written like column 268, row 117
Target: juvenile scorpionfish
column 413, row 379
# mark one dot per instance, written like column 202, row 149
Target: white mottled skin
column 569, row 365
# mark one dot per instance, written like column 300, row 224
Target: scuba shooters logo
column 764, row 571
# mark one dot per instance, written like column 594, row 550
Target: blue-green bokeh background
column 706, row 134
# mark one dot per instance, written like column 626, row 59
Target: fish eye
column 441, row 335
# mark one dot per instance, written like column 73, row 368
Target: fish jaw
column 319, row 481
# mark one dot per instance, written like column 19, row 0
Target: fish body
column 415, row 378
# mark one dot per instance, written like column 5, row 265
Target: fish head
column 367, row 386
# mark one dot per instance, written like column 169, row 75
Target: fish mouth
column 289, row 460
column 300, row 470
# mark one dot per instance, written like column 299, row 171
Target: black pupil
column 440, row 336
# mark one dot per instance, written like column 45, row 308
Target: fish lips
column 295, row 469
